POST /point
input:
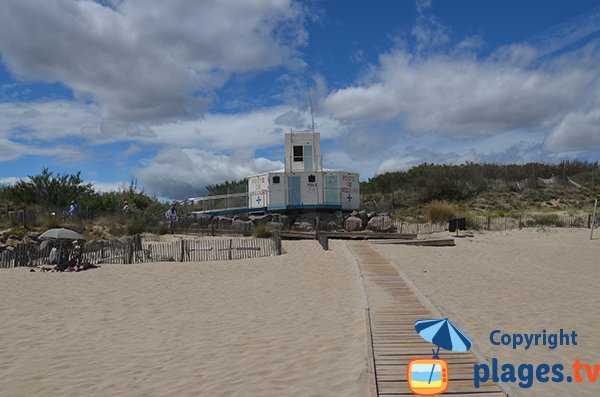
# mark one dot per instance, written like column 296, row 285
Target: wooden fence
column 419, row 227
column 497, row 223
column 23, row 255
column 138, row 251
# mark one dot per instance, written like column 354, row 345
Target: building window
column 275, row 179
column 312, row 178
column 298, row 154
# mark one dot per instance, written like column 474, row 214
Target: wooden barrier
column 138, row 251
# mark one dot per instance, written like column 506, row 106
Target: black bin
column 457, row 223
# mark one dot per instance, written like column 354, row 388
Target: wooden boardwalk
column 394, row 306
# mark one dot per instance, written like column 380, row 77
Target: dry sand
column 520, row 281
column 280, row 326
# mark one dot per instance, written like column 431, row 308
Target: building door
column 294, row 193
column 332, row 195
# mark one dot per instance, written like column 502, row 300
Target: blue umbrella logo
column 443, row 334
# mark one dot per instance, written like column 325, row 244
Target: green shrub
column 134, row 227
column 18, row 231
column 116, row 230
column 51, row 222
column 440, row 211
column 163, row 228
column 470, row 221
column 262, row 231
column 545, row 220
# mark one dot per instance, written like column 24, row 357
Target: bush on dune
column 440, row 211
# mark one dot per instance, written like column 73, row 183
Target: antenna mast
column 312, row 116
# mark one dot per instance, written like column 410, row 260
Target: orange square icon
column 427, row 376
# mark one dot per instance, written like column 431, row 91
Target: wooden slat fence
column 419, row 227
column 138, row 251
column 107, row 252
column 497, row 223
column 24, row 255
column 208, row 250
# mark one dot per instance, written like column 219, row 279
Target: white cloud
column 48, row 121
column 576, row 132
column 10, row 150
column 7, row 181
column 432, row 94
column 183, row 173
column 104, row 187
column 259, row 128
column 133, row 149
column 466, row 97
column 148, row 60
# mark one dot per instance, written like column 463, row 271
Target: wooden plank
column 393, row 335
column 439, row 242
column 365, row 235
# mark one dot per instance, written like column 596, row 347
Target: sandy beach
column 291, row 325
column 519, row 281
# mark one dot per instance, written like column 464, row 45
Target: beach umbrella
column 443, row 334
column 60, row 234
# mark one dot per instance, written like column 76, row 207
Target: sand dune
column 280, row 326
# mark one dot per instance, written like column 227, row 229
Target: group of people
column 66, row 259
column 74, row 209
column 170, row 215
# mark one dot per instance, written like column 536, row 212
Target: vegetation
column 488, row 189
column 227, row 187
column 262, row 231
column 48, row 195
column 48, row 190
column 440, row 211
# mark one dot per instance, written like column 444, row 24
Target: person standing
column 73, row 209
column 126, row 208
column 171, row 216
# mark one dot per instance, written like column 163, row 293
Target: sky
column 180, row 94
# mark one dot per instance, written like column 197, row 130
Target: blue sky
column 182, row 94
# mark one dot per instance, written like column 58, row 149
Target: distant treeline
column 50, row 191
column 227, row 187
column 460, row 182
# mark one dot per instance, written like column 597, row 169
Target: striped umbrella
column 442, row 333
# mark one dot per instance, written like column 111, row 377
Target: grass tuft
column 440, row 211
column 262, row 231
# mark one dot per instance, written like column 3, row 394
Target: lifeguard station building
column 303, row 184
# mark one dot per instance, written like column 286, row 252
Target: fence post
column 182, row 249
column 21, row 255
column 278, row 244
column 230, row 248
column 131, row 249
column 324, row 241
column 489, row 220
